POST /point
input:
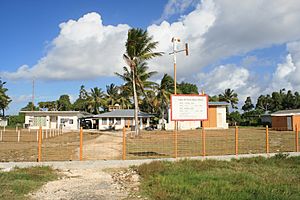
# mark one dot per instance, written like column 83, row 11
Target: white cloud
column 229, row 76
column 22, row 98
column 219, row 29
column 175, row 7
column 287, row 73
column 84, row 49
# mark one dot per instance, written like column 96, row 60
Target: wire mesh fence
column 58, row 145
column 208, row 142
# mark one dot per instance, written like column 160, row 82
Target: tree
column 4, row 98
column 29, row 107
column 297, row 100
column 48, row 105
column 276, row 102
column 81, row 103
column 289, row 101
column 235, row 118
column 230, row 97
column 96, row 100
column 264, row 103
column 64, row 103
column 248, row 106
column 112, row 94
column 187, row 88
column 214, row 98
column 124, row 97
column 165, row 89
column 139, row 48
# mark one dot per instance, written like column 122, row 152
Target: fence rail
column 58, row 145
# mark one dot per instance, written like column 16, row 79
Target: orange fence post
column 203, row 141
column 297, row 139
column 267, row 140
column 80, row 149
column 236, row 141
column 124, row 144
column 40, row 145
column 175, row 140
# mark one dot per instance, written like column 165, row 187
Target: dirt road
column 91, row 183
column 81, row 184
column 107, row 146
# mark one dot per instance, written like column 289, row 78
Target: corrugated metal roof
column 286, row 112
column 122, row 113
column 79, row 114
column 218, row 103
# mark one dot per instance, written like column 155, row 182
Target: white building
column 69, row 120
column 117, row 119
column 216, row 119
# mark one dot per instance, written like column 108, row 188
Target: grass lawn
column 20, row 181
column 252, row 178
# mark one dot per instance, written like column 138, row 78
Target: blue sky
column 250, row 46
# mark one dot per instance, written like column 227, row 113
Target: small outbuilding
column 286, row 120
column 69, row 120
column 216, row 119
column 119, row 118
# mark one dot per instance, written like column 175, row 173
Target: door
column 289, row 123
column 219, row 120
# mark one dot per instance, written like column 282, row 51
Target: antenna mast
column 32, row 94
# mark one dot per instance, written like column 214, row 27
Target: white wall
column 67, row 125
column 189, row 125
column 221, row 118
column 106, row 126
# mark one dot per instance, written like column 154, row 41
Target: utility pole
column 32, row 95
column 175, row 51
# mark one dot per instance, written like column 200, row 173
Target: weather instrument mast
column 175, row 41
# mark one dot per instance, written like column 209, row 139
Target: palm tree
column 139, row 48
column 230, row 97
column 165, row 89
column 4, row 98
column 95, row 100
column 124, row 97
column 112, row 94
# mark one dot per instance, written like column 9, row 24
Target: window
column 63, row 120
column 111, row 121
column 104, row 121
column 39, row 121
column 118, row 121
column 70, row 121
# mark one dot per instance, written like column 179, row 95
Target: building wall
column 221, row 117
column 71, row 122
column 296, row 120
column 106, row 123
column 216, row 120
column 279, row 122
column 212, row 118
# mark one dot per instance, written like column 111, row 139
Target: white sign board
column 3, row 122
column 189, row 107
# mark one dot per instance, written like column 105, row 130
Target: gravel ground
column 81, row 184
column 98, row 179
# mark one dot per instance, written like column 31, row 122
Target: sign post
column 187, row 107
